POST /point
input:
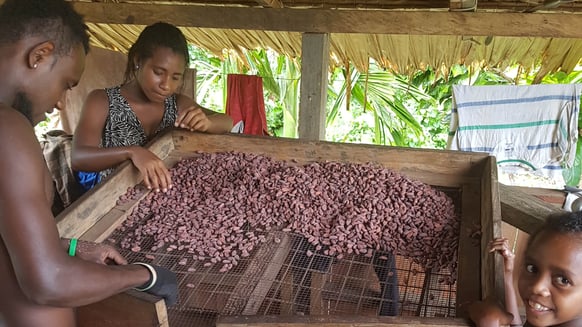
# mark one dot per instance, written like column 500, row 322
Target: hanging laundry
column 533, row 127
column 245, row 102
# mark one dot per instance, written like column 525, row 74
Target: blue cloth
column 87, row 179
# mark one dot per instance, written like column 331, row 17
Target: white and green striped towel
column 533, row 127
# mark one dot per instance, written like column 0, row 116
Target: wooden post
column 491, row 264
column 314, row 63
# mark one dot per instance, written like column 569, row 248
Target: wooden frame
column 337, row 321
column 338, row 21
column 95, row 215
column 130, row 309
column 523, row 210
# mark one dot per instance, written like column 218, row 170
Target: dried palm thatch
column 401, row 53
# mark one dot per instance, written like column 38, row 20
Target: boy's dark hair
column 562, row 223
column 55, row 20
column 155, row 36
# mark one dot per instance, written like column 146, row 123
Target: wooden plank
column 316, row 295
column 75, row 220
column 104, row 226
column 269, row 275
column 336, row 321
column 524, row 211
column 78, row 218
column 435, row 167
column 287, row 300
column 562, row 25
column 259, row 276
column 551, row 196
column 469, row 274
column 313, row 95
column 492, row 281
column 111, row 220
column 129, row 309
column 266, row 280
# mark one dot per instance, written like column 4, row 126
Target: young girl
column 550, row 280
column 117, row 122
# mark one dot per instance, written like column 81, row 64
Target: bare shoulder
column 14, row 127
column 17, row 141
column 97, row 97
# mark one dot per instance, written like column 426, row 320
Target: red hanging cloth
column 245, row 102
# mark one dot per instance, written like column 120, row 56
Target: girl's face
column 161, row 75
column 550, row 281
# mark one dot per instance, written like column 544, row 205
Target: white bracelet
column 152, row 272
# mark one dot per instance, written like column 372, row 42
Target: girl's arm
column 87, row 155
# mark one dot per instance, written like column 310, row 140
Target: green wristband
column 72, row 247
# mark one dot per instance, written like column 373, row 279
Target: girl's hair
column 158, row 35
column 562, row 223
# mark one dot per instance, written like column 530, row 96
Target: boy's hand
column 163, row 283
column 99, row 253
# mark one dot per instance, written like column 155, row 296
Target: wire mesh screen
column 249, row 235
column 286, row 275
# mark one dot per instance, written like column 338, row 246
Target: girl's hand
column 501, row 245
column 193, row 119
column 155, row 174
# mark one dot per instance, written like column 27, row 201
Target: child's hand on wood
column 501, row 245
column 489, row 313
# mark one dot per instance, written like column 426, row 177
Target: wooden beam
column 522, row 210
column 567, row 25
column 270, row 3
column 313, row 97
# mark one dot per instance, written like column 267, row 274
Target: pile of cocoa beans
column 222, row 205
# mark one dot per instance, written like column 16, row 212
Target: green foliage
column 379, row 94
column 382, row 107
column 280, row 76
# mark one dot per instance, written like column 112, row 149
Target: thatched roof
column 399, row 34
